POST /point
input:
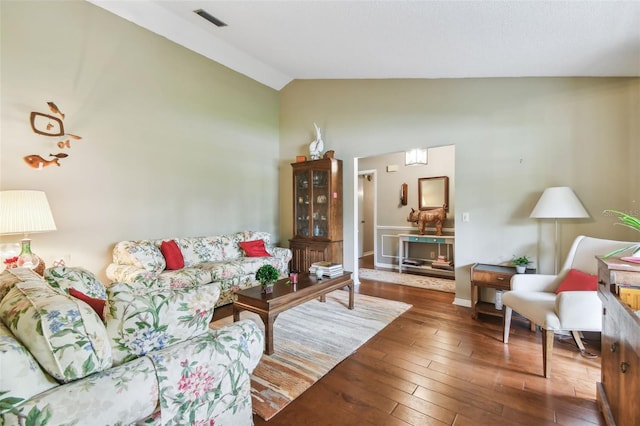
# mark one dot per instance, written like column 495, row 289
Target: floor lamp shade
column 559, row 202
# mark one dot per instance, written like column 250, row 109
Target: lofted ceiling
column 275, row 42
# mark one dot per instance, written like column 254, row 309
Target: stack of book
column 442, row 263
column 329, row 269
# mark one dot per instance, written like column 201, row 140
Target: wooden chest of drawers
column 619, row 390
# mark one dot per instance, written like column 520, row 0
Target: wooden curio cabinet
column 317, row 213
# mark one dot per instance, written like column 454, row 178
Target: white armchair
column 533, row 296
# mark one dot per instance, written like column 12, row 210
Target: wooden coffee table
column 286, row 296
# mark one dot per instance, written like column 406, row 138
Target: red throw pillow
column 96, row 304
column 172, row 255
column 254, row 248
column 578, row 281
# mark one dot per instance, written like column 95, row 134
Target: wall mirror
column 433, row 192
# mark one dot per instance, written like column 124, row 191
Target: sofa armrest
column 217, row 365
column 579, row 310
column 534, row 282
column 129, row 274
column 280, row 252
column 120, row 395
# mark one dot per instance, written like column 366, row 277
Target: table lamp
column 26, row 212
column 558, row 203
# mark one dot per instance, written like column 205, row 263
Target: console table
column 444, row 244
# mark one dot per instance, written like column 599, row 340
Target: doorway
column 366, row 212
column 389, row 210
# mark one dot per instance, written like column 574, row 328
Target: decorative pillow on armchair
column 64, row 334
column 578, row 281
column 65, row 278
column 140, row 320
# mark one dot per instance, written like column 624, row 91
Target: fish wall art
column 50, row 126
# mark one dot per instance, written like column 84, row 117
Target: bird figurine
column 316, row 147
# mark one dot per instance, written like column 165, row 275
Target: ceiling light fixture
column 215, row 21
column 415, row 157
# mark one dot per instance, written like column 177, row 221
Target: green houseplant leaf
column 629, row 221
column 520, row 260
column 267, row 274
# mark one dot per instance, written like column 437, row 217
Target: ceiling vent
column 215, row 21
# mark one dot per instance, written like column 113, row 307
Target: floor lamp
column 558, row 203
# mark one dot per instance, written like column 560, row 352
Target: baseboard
column 462, row 302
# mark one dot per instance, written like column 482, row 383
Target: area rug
column 309, row 341
column 430, row 283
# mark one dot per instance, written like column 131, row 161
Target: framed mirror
column 433, row 192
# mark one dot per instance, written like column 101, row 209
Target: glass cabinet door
column 320, row 203
column 302, row 200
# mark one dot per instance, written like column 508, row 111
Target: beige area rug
column 310, row 340
column 430, row 283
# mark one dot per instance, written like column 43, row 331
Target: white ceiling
column 275, row 42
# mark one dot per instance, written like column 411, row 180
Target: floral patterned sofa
column 216, row 259
column 153, row 359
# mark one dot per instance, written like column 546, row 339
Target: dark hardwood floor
column 434, row 365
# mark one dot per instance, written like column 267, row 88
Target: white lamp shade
column 559, row 203
column 25, row 212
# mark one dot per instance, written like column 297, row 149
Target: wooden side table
column 490, row 276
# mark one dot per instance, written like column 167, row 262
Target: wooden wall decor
column 404, row 191
column 50, row 126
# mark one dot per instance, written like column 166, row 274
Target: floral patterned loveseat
column 216, row 259
column 152, row 359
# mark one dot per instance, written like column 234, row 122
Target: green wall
column 513, row 137
column 173, row 144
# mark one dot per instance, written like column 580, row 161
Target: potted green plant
column 520, row 262
column 267, row 275
column 630, row 222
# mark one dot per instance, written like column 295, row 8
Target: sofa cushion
column 65, row 278
column 64, row 334
column 20, row 375
column 195, row 250
column 576, row 280
column 142, row 319
column 172, row 255
column 229, row 245
column 143, row 254
column 254, row 248
column 255, row 235
column 221, row 271
column 185, row 277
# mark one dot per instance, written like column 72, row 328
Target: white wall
column 513, row 138
column 172, row 145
